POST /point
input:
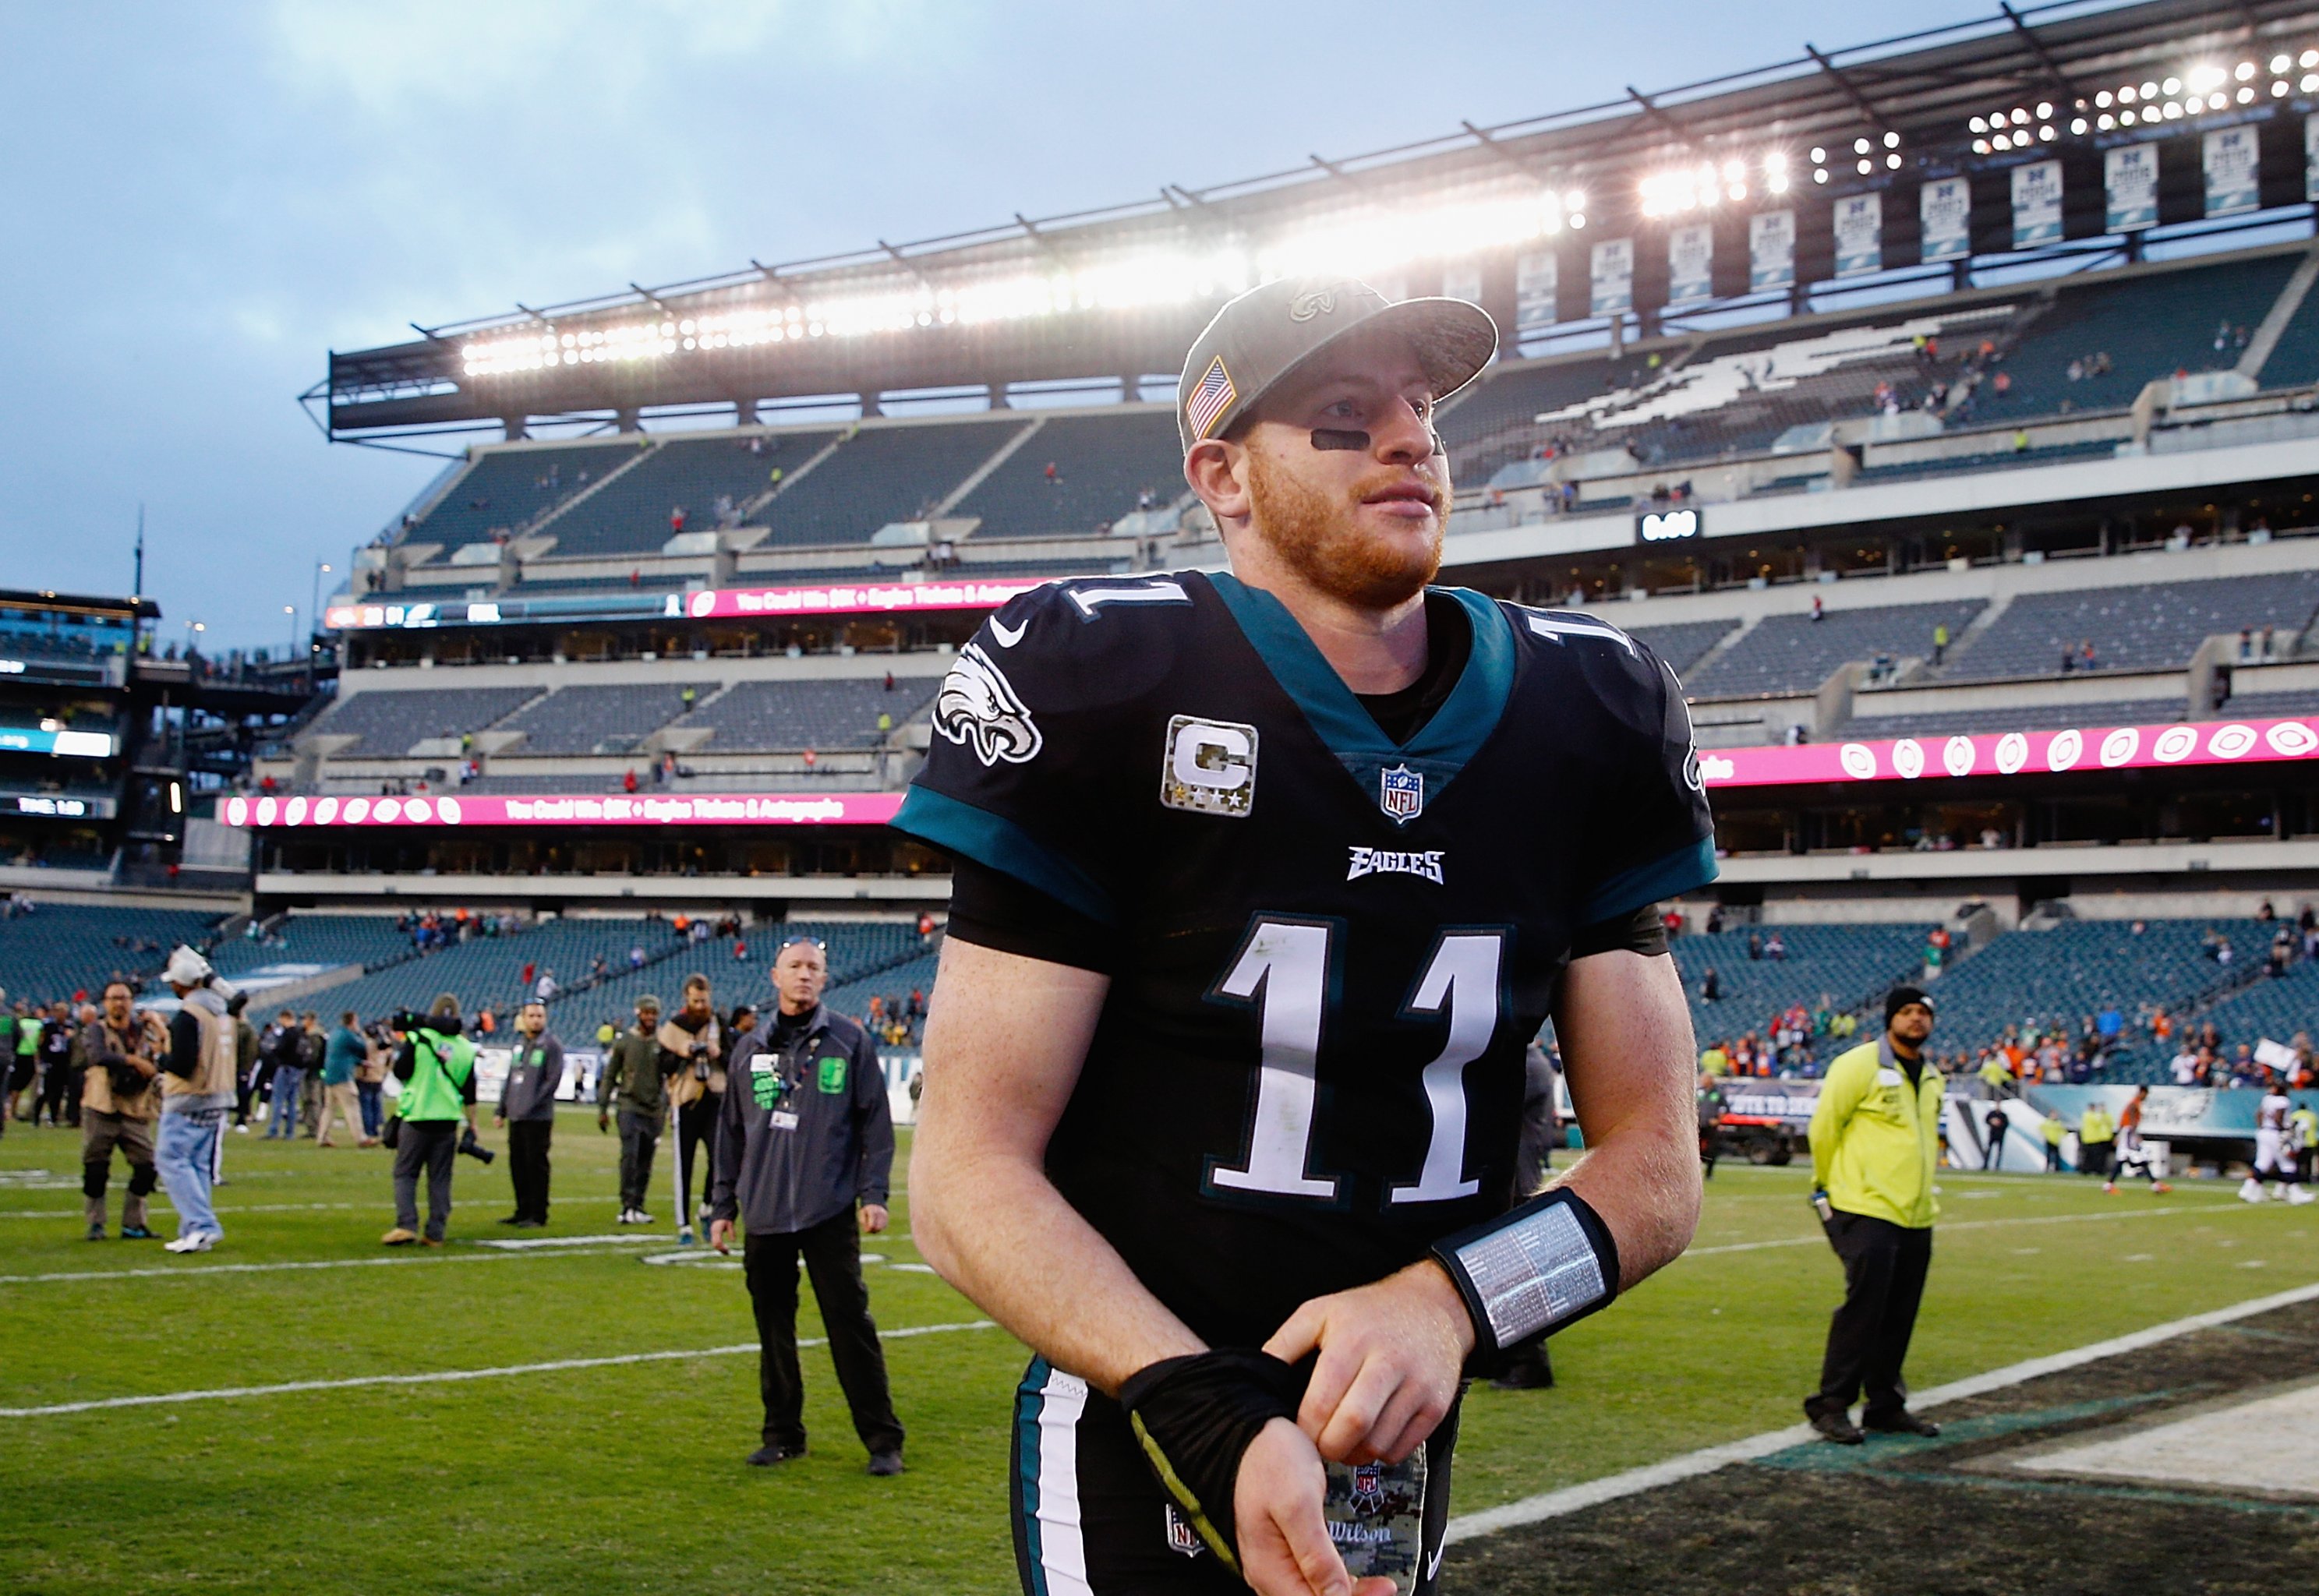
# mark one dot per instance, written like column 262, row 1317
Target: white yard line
column 2228, row 1206
column 1571, row 1499
column 448, row 1376
column 180, row 1271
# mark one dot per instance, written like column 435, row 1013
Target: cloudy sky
column 202, row 200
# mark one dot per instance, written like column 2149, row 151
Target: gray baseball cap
column 1258, row 339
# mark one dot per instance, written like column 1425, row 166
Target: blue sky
column 203, row 199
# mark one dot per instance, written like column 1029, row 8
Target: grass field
column 628, row 1477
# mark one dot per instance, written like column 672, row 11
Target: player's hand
column 874, row 1218
column 1391, row 1354
column 720, row 1234
column 603, row 1122
column 1284, row 1548
column 499, row 1121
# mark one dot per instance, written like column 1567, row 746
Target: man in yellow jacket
column 1875, row 1133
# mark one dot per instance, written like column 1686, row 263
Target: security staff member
column 528, row 1109
column 1875, row 1136
column 2095, row 1133
column 803, row 1136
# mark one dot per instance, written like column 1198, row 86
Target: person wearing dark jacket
column 632, row 1078
column 804, row 1136
column 528, row 1110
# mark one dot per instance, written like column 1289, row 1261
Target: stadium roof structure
column 1508, row 215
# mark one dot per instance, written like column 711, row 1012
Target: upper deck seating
column 882, row 474
column 1101, row 463
column 2151, row 626
column 1794, row 653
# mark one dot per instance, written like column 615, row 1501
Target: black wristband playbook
column 1537, row 1267
column 1195, row 1418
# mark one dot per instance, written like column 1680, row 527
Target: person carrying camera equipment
column 805, row 1138
column 692, row 1056
column 436, row 1064
column 632, row 1076
column 197, row 1090
column 119, row 1103
column 528, row 1110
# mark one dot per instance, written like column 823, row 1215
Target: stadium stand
column 2077, row 967
column 1737, row 394
column 389, row 721
column 894, row 984
column 694, row 473
column 371, row 941
column 883, row 475
column 856, row 952
column 1491, row 423
column 600, row 719
column 1794, row 653
column 2147, row 326
column 2155, row 627
column 1848, row 964
column 1101, row 463
column 764, row 717
column 2034, row 717
column 56, row 949
column 2279, row 1007
column 1685, row 644
column 507, row 490
column 2295, row 359
column 2001, row 451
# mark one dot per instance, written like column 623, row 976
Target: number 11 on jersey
column 1283, row 968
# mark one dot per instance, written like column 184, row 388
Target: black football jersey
column 1331, row 948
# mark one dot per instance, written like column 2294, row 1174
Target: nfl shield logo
column 1182, row 1539
column 1401, row 793
column 1367, row 1487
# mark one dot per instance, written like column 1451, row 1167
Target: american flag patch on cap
column 1211, row 399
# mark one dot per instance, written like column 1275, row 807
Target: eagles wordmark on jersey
column 1329, row 949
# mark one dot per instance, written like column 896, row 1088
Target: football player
column 1262, row 882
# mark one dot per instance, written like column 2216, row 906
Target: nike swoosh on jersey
column 1434, row 1566
column 1009, row 638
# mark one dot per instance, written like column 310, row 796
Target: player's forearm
column 1625, row 1028
column 998, row 1230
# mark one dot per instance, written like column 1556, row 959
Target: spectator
column 197, row 1087
column 370, row 1077
column 528, row 1109
column 120, row 1051
column 285, row 1052
column 631, row 1076
column 344, row 1054
column 1710, row 986
column 807, row 1140
column 54, row 1066
column 436, row 1064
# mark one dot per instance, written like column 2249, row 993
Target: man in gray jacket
column 528, row 1109
column 805, row 1134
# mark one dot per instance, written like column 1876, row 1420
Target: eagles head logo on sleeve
column 978, row 706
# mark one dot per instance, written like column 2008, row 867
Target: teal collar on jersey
column 1442, row 746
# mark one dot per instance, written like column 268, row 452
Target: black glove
column 1196, row 1417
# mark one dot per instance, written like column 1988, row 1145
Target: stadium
column 1943, row 412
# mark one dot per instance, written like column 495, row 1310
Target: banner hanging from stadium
column 707, row 808
column 707, row 604
column 2013, row 753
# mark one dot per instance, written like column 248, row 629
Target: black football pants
column 1884, row 1267
column 831, row 1252
column 696, row 1132
column 527, row 1142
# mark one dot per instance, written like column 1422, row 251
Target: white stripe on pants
column 1062, row 1550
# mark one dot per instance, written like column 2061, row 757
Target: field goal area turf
column 305, row 1411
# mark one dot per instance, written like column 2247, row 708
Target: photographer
column 692, row 1058
column 436, row 1067
column 120, row 1100
column 197, row 1091
column 528, row 1110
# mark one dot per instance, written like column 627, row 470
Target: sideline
column 1571, row 1499
column 2208, row 1208
column 447, row 1376
column 183, row 1271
